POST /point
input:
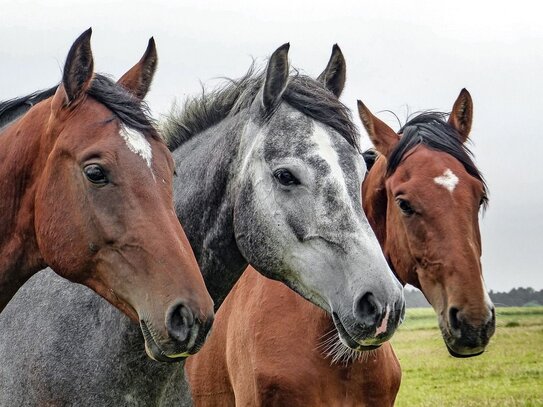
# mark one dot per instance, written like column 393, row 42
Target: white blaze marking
column 447, row 180
column 329, row 154
column 137, row 143
column 250, row 129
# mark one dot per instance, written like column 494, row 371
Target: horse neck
column 21, row 158
column 375, row 200
column 204, row 201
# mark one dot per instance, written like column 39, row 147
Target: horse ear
column 382, row 136
column 138, row 79
column 78, row 69
column 462, row 115
column 335, row 73
column 276, row 77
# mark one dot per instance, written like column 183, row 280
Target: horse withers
column 87, row 189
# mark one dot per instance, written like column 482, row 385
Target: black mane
column 303, row 93
column 131, row 111
column 13, row 108
column 431, row 130
column 370, row 156
column 29, row 100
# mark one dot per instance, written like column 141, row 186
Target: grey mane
column 303, row 93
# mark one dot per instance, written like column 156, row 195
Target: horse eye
column 405, row 206
column 95, row 174
column 285, row 177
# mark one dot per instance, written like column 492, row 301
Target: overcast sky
column 401, row 55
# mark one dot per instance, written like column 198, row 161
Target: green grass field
column 509, row 373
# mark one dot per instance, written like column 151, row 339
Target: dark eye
column 285, row 177
column 95, row 174
column 405, row 206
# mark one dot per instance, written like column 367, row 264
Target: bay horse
column 429, row 227
column 268, row 174
column 422, row 196
column 87, row 190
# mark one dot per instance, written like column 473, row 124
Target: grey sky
column 403, row 56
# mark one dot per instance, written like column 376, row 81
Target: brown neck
column 374, row 197
column 20, row 161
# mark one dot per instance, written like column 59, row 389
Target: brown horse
column 86, row 188
column 255, row 358
column 423, row 200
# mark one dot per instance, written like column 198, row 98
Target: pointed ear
column 382, row 136
column 78, row 69
column 462, row 115
column 138, row 79
column 335, row 73
column 276, row 77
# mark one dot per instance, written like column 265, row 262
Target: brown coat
column 236, row 369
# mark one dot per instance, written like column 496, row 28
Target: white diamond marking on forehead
column 137, row 143
column 447, row 180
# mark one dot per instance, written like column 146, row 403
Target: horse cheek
column 58, row 221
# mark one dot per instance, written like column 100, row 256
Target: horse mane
column 14, row 108
column 431, row 130
column 370, row 156
column 29, row 100
column 131, row 111
column 303, row 93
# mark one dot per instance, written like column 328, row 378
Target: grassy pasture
column 509, row 373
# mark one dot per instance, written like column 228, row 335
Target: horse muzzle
column 464, row 339
column 186, row 335
column 373, row 324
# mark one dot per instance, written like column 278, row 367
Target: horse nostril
column 367, row 310
column 179, row 322
column 454, row 322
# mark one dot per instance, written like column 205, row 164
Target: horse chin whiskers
column 339, row 354
column 332, row 347
column 149, row 336
column 148, row 351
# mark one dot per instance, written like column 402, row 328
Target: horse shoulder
column 285, row 335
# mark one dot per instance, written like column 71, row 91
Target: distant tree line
column 516, row 297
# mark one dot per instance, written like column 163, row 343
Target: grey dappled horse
column 268, row 174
